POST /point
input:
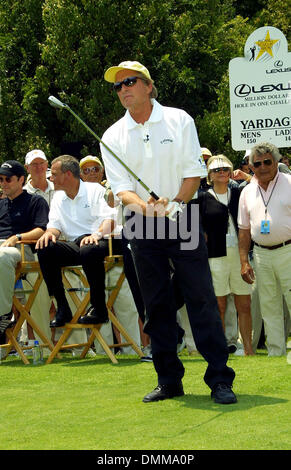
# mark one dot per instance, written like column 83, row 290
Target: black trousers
column 90, row 257
column 131, row 276
column 194, row 277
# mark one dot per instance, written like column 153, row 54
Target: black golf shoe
column 162, row 392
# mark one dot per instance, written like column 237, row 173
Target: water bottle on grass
column 37, row 353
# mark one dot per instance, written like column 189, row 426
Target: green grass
column 92, row 404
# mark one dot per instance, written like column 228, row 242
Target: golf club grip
column 154, row 195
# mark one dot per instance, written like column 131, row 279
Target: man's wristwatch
column 18, row 236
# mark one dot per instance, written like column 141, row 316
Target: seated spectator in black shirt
column 22, row 217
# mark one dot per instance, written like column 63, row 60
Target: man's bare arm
column 188, row 188
column 33, row 234
column 244, row 241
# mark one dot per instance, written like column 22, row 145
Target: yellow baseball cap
column 110, row 74
column 90, row 158
column 205, row 151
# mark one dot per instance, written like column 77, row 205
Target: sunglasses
column 267, row 162
column 8, row 179
column 93, row 169
column 128, row 82
column 224, row 169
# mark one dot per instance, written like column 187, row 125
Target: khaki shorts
column 226, row 275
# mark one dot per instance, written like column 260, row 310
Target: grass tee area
column 90, row 404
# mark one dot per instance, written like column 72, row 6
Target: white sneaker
column 78, row 352
column 147, row 351
column 239, row 352
column 91, row 353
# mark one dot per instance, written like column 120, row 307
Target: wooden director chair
column 23, row 268
column 110, row 262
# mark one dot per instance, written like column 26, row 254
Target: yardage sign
column 260, row 91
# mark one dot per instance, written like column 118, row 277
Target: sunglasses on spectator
column 128, row 82
column 92, row 169
column 224, row 169
column 5, row 178
column 267, row 162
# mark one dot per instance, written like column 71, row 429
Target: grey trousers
column 9, row 258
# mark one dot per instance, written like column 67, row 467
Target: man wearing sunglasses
column 22, row 217
column 92, row 170
column 265, row 218
column 161, row 146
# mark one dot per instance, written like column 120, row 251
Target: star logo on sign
column 266, row 45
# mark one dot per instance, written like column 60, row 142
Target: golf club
column 56, row 103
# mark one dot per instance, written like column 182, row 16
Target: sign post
column 260, row 91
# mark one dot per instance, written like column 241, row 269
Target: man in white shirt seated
column 78, row 211
column 37, row 182
column 36, row 165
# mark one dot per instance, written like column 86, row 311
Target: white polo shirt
column 81, row 215
column 47, row 194
column 161, row 152
column 252, row 210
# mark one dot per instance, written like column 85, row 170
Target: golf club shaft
column 152, row 193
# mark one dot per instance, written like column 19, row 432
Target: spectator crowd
column 251, row 277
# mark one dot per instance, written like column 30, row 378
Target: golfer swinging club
column 161, row 145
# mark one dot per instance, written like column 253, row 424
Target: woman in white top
column 219, row 208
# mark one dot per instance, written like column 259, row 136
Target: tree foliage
column 63, row 47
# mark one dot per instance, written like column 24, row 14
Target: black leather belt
column 273, row 247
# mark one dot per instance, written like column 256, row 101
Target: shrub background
column 62, row 48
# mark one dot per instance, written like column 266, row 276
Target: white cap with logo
column 33, row 154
